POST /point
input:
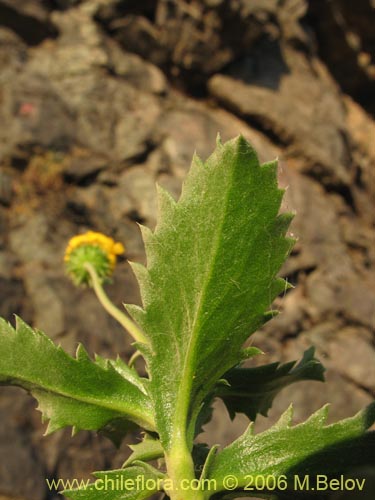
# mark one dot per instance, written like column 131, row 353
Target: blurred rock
column 33, row 115
column 136, row 189
column 13, row 52
column 6, row 187
column 124, row 124
column 13, row 299
column 339, row 345
column 346, row 42
column 135, row 70
column 187, row 37
column 48, row 308
column 22, row 474
column 93, row 117
column 361, row 129
column 83, row 167
column 60, row 99
column 192, row 126
column 266, row 94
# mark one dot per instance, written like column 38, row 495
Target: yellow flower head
column 94, row 248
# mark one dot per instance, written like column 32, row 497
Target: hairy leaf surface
column 252, row 390
column 71, row 392
column 210, row 279
column 309, row 448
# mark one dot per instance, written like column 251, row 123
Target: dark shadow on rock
column 346, row 43
column 13, row 299
column 28, row 19
column 114, row 10
column 61, row 4
column 263, row 67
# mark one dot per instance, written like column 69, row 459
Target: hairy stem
column 103, row 298
column 180, row 469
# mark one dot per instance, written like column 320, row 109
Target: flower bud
column 91, row 248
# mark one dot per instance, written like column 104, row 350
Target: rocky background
column 100, row 99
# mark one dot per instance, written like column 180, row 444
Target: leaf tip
column 244, row 147
column 51, row 427
column 249, row 352
column 319, row 418
column 250, row 430
column 268, row 315
column 136, row 312
column 166, row 202
column 285, row 421
column 81, row 353
column 75, row 430
column 145, row 232
column 142, row 275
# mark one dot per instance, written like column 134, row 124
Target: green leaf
column 210, row 279
column 309, row 448
column 71, row 392
column 148, row 449
column 252, row 390
column 123, row 369
column 136, row 482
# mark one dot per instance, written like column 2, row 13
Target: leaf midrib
column 183, row 395
column 24, row 382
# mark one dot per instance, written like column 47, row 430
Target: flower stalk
column 108, row 305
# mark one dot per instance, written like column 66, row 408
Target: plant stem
column 103, row 298
column 180, row 469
